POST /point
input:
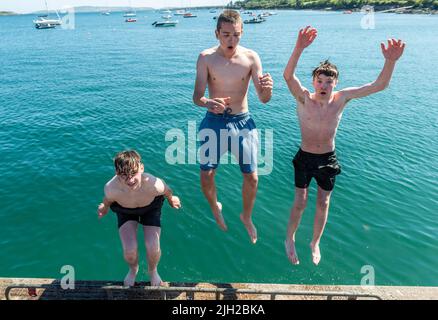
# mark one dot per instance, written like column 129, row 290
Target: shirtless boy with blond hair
column 227, row 70
column 319, row 115
column 137, row 198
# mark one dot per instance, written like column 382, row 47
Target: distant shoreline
column 395, row 6
column 8, row 13
column 387, row 8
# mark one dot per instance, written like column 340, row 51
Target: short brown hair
column 228, row 16
column 127, row 162
column 326, row 68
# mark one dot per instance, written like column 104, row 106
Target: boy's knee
column 323, row 202
column 207, row 177
column 300, row 202
column 130, row 256
column 251, row 179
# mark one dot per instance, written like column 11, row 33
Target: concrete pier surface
column 53, row 289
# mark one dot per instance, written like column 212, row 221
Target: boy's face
column 133, row 181
column 229, row 36
column 324, row 85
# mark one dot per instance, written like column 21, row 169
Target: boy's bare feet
column 217, row 212
column 155, row 278
column 130, row 277
column 291, row 251
column 252, row 231
column 316, row 254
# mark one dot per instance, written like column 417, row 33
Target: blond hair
column 228, row 16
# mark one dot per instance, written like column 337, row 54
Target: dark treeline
column 334, row 4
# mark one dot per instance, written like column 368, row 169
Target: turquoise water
column 70, row 99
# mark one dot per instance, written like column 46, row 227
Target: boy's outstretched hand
column 306, row 37
column 102, row 210
column 394, row 50
column 174, row 202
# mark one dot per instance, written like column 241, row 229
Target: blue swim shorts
column 235, row 133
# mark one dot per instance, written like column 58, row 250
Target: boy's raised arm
column 391, row 53
column 305, row 38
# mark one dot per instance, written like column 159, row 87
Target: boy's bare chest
column 313, row 114
column 135, row 198
column 236, row 72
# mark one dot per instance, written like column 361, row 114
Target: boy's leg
column 153, row 252
column 209, row 189
column 210, row 153
column 128, row 236
column 321, row 214
column 300, row 202
column 249, row 191
column 244, row 146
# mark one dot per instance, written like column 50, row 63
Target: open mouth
column 323, row 93
column 230, row 47
column 132, row 184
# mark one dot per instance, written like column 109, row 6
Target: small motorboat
column 254, row 20
column 189, row 15
column 166, row 23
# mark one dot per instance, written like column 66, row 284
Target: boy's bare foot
column 130, row 278
column 155, row 278
column 316, row 254
column 219, row 218
column 291, row 251
column 252, row 231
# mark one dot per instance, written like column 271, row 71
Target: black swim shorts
column 149, row 215
column 323, row 167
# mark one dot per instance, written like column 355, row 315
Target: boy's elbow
column 382, row 86
column 379, row 86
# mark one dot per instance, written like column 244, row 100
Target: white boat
column 167, row 20
column 43, row 21
column 105, row 12
column 254, row 20
column 180, row 12
column 130, row 13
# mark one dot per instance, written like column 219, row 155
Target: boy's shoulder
column 147, row 177
column 250, row 53
column 153, row 182
column 208, row 52
column 111, row 187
